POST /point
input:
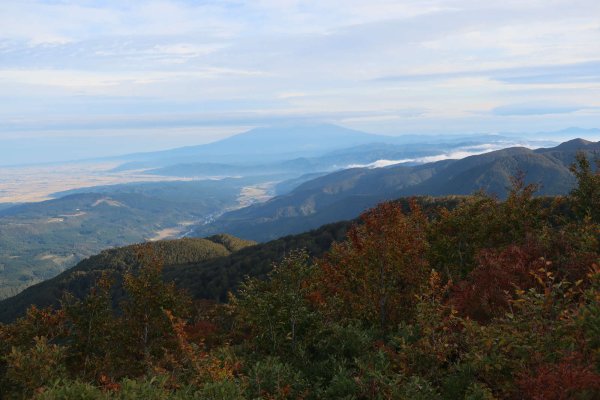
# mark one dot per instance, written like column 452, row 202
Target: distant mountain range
column 366, row 154
column 292, row 147
column 344, row 194
column 258, row 145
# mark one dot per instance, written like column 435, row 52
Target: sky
column 90, row 78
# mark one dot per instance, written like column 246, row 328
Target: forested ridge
column 346, row 193
column 487, row 299
column 206, row 268
column 116, row 262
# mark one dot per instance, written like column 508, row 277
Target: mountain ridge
column 347, row 192
column 281, row 143
column 209, row 268
column 257, row 145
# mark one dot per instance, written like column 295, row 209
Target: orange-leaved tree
column 147, row 332
column 375, row 274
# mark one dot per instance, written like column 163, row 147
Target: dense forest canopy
column 488, row 300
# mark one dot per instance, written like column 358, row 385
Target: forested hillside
column 116, row 262
column 206, row 268
column 489, row 300
column 345, row 194
column 40, row 240
column 200, row 266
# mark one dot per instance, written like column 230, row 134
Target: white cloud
column 452, row 155
column 381, row 163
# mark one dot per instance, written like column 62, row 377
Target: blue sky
column 88, row 78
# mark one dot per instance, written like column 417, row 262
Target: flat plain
column 26, row 184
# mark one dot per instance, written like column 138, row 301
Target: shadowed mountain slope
column 344, row 194
column 207, row 268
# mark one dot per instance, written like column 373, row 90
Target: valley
column 259, row 185
column 39, row 240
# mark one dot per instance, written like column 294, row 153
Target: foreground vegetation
column 489, row 300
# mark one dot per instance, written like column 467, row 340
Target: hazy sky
column 82, row 78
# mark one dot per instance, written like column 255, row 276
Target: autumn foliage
column 490, row 286
column 488, row 300
column 377, row 272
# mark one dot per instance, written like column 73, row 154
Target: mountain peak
column 300, row 139
column 574, row 144
column 302, row 134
